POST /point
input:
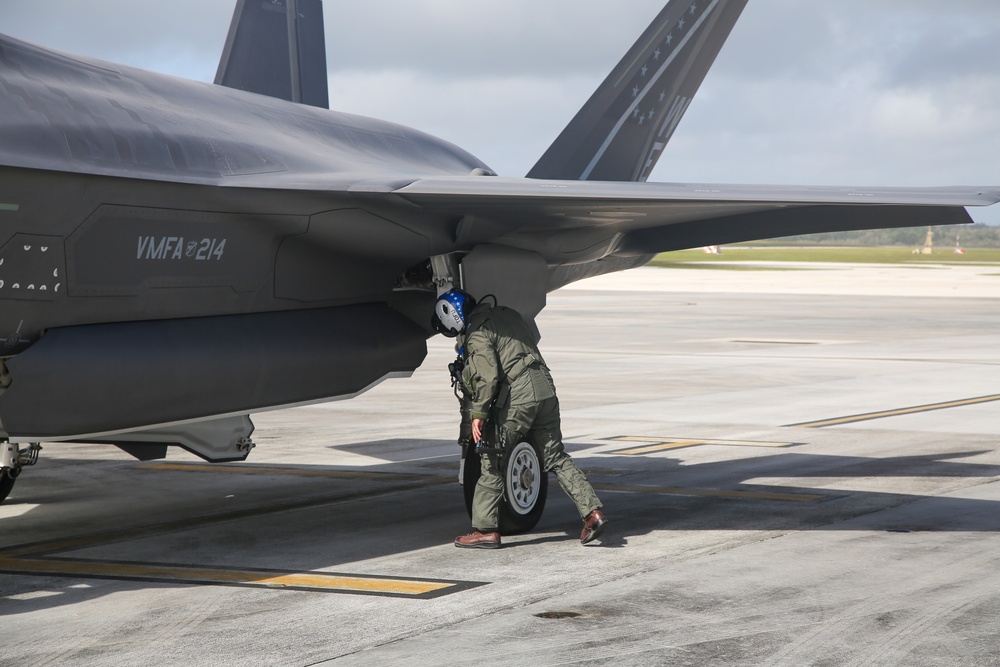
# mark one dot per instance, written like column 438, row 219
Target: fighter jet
column 176, row 255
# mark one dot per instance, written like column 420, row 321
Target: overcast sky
column 852, row 92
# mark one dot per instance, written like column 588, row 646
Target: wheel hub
column 523, row 478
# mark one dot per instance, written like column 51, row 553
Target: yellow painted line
column 676, row 444
column 711, row 493
column 894, row 413
column 663, row 444
column 261, row 470
column 446, row 464
column 42, row 558
column 606, row 471
column 315, row 581
column 53, row 546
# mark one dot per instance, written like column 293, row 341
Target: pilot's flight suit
column 504, row 373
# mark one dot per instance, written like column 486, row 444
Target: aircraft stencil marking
column 175, row 248
column 659, row 72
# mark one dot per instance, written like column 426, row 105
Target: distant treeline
column 968, row 236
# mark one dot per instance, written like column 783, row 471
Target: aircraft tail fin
column 277, row 48
column 621, row 131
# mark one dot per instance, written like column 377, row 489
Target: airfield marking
column 250, row 469
column 43, row 558
column 893, row 413
column 777, row 342
column 711, row 493
column 663, row 444
column 252, row 578
column 657, row 444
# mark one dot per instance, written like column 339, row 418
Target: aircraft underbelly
column 130, row 304
column 95, row 379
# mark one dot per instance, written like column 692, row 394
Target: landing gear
column 6, row 483
column 526, row 487
column 12, row 461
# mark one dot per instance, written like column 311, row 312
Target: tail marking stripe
column 639, row 98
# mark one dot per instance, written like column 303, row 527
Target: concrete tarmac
column 800, row 467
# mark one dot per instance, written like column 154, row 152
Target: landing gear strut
column 12, row 461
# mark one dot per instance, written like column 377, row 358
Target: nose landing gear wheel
column 526, row 487
column 6, row 484
column 12, row 461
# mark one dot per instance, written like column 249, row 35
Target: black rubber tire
column 526, row 510
column 6, row 484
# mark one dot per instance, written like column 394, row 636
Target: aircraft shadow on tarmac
column 306, row 531
column 667, row 481
column 821, row 508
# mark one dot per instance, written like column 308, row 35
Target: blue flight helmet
column 450, row 312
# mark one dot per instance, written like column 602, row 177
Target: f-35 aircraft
column 176, row 255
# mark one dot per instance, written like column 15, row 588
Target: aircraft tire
column 526, row 487
column 6, row 484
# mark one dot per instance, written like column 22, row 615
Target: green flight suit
column 507, row 379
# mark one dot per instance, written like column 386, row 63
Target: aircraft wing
column 573, row 221
column 657, row 217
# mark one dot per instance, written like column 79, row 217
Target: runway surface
column 801, row 468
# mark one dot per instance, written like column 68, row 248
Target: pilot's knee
column 561, row 461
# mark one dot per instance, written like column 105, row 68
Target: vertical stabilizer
column 277, row 48
column 621, row 131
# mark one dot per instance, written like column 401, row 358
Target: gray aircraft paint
column 294, row 68
column 214, row 251
column 651, row 87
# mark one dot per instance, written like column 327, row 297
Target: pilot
column 509, row 392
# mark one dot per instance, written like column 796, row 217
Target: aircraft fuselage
column 121, row 198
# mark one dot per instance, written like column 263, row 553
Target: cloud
column 178, row 35
column 461, row 39
column 899, row 92
column 893, row 93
